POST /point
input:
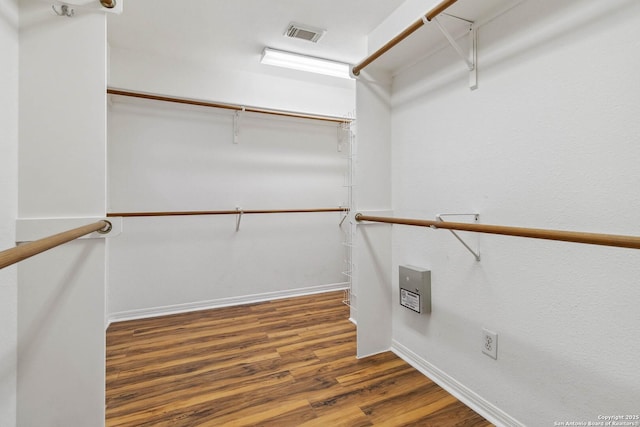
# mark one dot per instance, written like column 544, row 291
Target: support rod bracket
column 469, row 59
column 476, row 253
column 238, row 218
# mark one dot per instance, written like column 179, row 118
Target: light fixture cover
column 312, row 64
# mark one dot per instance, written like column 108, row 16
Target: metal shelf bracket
column 236, row 124
column 476, row 253
column 470, row 59
column 346, row 214
column 238, row 218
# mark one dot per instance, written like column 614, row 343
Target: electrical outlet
column 490, row 343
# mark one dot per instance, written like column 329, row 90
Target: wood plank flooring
column 282, row 363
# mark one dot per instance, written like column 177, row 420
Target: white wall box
column 414, row 284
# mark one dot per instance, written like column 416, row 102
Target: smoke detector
column 304, row 32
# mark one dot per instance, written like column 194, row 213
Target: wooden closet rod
column 109, row 4
column 19, row 253
column 187, row 101
column 441, row 7
column 244, row 212
column 534, row 233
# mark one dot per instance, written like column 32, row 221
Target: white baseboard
column 480, row 405
column 222, row 302
column 353, row 315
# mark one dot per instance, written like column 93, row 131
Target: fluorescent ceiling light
column 295, row 61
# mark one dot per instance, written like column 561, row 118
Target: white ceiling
column 233, row 33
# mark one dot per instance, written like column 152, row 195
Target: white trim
column 144, row 313
column 467, row 396
column 364, row 356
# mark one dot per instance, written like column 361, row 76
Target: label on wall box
column 409, row 299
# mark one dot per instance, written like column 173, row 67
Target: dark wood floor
column 282, row 363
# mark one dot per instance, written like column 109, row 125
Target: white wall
column 167, row 157
column 8, row 206
column 276, row 165
column 283, row 90
column 549, row 140
column 372, row 194
column 61, row 297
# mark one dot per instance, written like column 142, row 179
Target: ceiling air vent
column 304, row 32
